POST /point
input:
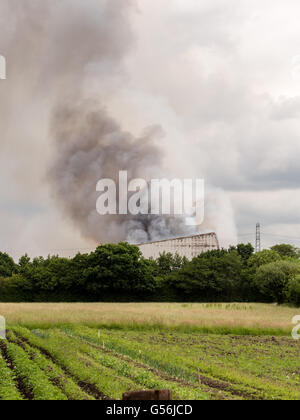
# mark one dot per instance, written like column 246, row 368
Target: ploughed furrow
column 114, row 375
column 219, row 390
column 11, row 388
column 146, row 376
column 84, row 385
column 86, row 388
column 217, row 387
column 34, row 381
column 55, row 374
column 264, row 372
column 94, row 379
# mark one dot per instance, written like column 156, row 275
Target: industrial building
column 189, row 246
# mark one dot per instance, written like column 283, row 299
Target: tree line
column 121, row 273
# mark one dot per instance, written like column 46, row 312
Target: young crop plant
column 79, row 362
column 8, row 387
column 34, row 379
column 232, row 364
column 54, row 373
column 141, row 375
column 102, row 382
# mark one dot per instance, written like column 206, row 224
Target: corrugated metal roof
column 201, row 235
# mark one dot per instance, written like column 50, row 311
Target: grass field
column 260, row 318
column 100, row 351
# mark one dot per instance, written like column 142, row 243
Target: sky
column 220, row 78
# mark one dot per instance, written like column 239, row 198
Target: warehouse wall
column 188, row 247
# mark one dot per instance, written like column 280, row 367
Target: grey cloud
column 269, row 207
column 216, row 75
column 60, row 44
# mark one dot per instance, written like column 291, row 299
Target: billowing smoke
column 66, row 58
column 92, row 146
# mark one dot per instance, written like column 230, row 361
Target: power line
column 51, row 250
column 241, row 235
column 281, row 236
column 270, row 234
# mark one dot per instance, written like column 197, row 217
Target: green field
column 96, row 362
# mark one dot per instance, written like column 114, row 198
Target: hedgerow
column 120, row 273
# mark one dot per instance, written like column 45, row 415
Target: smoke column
column 62, row 46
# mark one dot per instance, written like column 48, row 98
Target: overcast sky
column 220, row 77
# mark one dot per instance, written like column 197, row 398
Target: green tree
column 263, row 257
column 46, row 275
column 272, row 279
column 286, row 250
column 293, row 291
column 24, row 262
column 167, row 263
column 211, row 276
column 244, row 250
column 7, row 265
column 118, row 268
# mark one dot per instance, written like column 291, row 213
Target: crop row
column 54, row 373
column 79, row 364
column 35, row 381
column 8, row 386
column 219, row 366
column 102, row 382
column 107, row 372
column 183, row 385
column 142, row 375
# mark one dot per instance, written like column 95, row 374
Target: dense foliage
column 121, row 273
column 7, row 265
